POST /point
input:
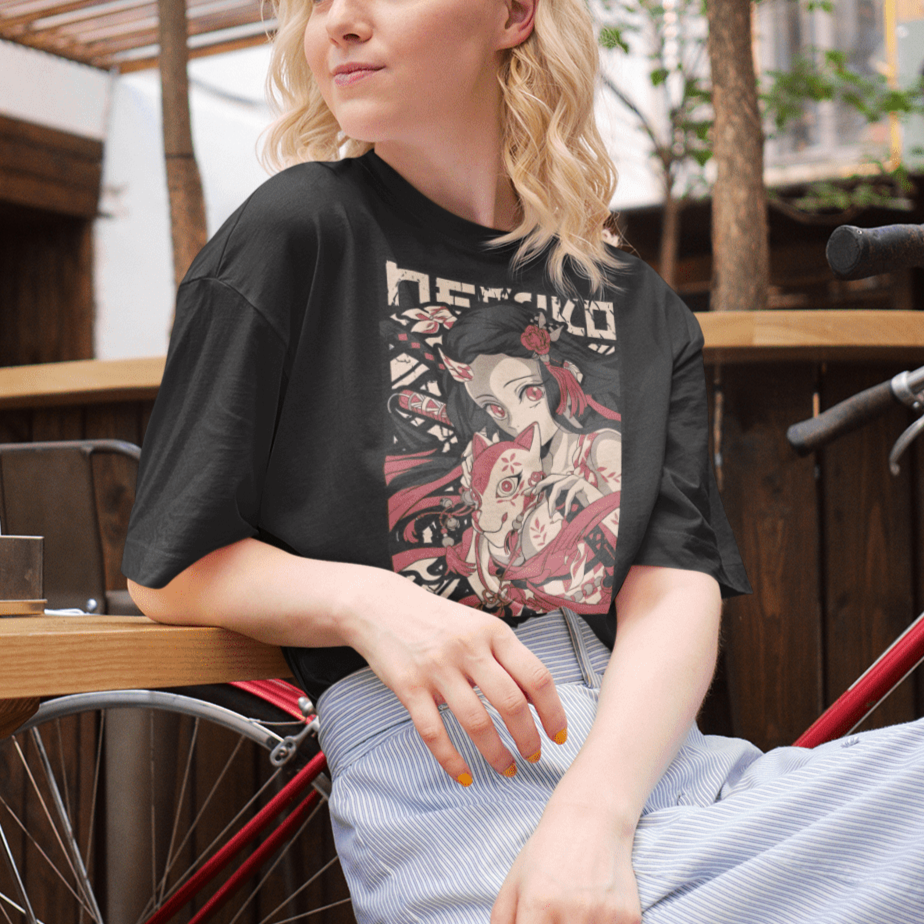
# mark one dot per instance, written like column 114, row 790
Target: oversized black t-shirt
column 357, row 375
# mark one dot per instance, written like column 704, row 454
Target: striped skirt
column 833, row 835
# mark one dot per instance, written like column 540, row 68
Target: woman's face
column 399, row 70
column 511, row 392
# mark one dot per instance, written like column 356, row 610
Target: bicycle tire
column 152, row 783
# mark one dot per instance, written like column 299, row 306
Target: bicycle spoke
column 94, row 793
column 276, row 861
column 71, row 847
column 168, row 865
column 8, row 853
column 220, row 837
column 38, row 847
column 197, row 860
column 6, row 917
column 307, row 914
column 41, row 799
column 54, row 829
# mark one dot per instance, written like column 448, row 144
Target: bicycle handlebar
column 851, row 414
column 905, row 388
column 854, row 253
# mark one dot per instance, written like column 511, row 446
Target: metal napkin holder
column 21, row 575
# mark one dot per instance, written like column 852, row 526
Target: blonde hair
column 552, row 150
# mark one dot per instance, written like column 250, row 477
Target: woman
column 474, row 178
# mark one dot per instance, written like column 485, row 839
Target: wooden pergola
column 123, row 34
column 129, row 35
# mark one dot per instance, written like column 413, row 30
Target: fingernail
column 464, row 779
column 534, row 758
column 561, row 737
column 511, row 770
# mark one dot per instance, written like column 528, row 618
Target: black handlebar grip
column 854, row 253
column 812, row 434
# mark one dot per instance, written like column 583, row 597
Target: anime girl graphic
column 527, row 517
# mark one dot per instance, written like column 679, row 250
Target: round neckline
column 425, row 211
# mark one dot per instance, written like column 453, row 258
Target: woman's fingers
column 476, row 722
column 429, row 724
column 510, row 678
column 535, row 681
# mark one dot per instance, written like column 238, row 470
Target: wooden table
column 49, row 655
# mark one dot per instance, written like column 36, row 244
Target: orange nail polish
column 511, row 770
column 464, row 779
column 534, row 758
column 561, row 737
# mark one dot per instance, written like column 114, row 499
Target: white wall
column 134, row 270
column 37, row 87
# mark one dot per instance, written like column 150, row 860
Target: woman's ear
column 521, row 16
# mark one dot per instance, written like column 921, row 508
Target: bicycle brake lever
column 903, row 442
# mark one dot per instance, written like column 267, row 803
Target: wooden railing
column 832, row 544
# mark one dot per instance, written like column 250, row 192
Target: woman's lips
column 350, row 74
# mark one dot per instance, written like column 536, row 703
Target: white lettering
column 445, row 289
column 494, row 295
column 394, row 276
column 563, row 313
column 605, row 315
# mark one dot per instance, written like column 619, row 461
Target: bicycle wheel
column 123, row 807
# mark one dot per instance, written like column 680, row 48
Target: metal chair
column 48, row 489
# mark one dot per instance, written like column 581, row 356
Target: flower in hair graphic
column 505, row 474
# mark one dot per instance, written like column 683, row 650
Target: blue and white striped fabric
column 834, row 835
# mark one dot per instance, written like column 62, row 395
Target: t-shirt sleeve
column 688, row 528
column 208, row 441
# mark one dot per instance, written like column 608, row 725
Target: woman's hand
column 575, row 869
column 431, row 651
column 427, row 649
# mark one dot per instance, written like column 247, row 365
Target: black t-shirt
column 357, row 375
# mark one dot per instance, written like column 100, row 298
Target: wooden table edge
column 53, row 655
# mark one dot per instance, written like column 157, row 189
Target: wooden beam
column 50, row 655
column 187, row 205
column 105, row 39
column 733, row 336
column 80, row 382
column 49, row 169
column 837, row 335
column 218, row 46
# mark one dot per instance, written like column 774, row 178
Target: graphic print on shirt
column 505, row 470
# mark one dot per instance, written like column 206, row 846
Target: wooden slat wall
column 832, row 545
column 43, row 168
column 46, row 288
column 49, row 191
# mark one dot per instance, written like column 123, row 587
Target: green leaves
column 672, row 37
column 826, row 76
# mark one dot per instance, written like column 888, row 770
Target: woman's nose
column 348, row 21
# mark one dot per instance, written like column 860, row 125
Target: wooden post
column 739, row 211
column 187, row 206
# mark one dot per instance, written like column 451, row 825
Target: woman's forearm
column 662, row 664
column 269, row 594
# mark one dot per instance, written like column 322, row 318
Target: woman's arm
column 577, row 865
column 427, row 649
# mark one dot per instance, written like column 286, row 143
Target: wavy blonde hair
column 552, row 150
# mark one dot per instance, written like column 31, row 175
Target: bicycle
column 855, row 253
column 268, row 726
column 235, row 847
